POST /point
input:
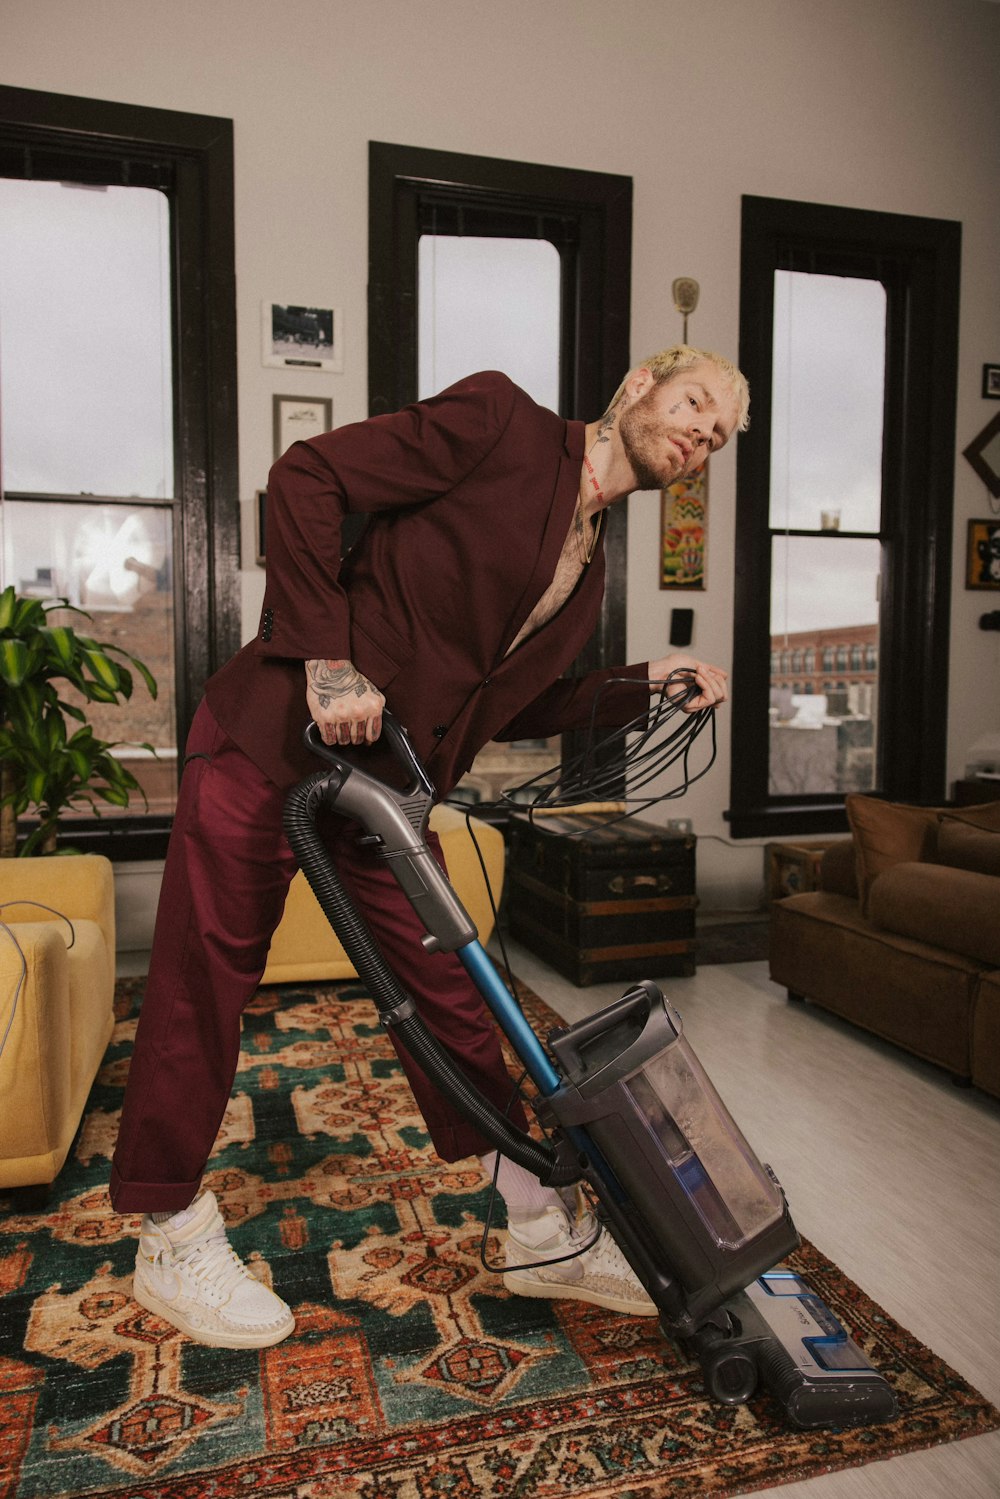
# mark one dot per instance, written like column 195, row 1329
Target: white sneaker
column 601, row 1275
column 191, row 1275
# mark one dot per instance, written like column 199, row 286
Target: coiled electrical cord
column 618, row 765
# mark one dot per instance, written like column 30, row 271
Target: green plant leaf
column 55, row 731
column 147, row 676
column 117, row 795
column 29, row 614
column 14, row 659
column 105, row 671
column 80, row 763
column 34, row 785
column 8, row 603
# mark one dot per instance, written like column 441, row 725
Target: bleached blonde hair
column 670, row 362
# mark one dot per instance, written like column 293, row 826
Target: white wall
column 889, row 106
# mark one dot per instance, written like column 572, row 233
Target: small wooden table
column 794, row 867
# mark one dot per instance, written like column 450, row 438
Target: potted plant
column 46, row 764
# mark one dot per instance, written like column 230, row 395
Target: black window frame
column 919, row 262
column 190, row 157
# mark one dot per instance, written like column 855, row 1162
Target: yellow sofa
column 304, row 946
column 56, row 1007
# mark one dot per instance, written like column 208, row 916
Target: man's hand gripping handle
column 395, row 822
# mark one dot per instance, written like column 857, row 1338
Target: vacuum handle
column 396, row 821
column 398, row 741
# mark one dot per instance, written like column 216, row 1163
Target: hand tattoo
column 330, row 679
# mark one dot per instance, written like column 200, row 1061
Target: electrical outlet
column 682, row 826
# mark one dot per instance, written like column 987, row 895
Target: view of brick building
column 823, row 710
column 827, row 661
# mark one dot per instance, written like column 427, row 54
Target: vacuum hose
column 395, row 1007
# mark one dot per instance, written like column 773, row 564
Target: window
column 848, row 336
column 489, row 303
column 117, row 263
column 445, row 228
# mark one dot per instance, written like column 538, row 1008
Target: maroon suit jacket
column 469, row 498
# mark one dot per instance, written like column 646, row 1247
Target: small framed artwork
column 982, row 563
column 684, row 532
column 302, row 338
column 259, row 519
column 983, row 453
column 299, row 417
column 991, row 382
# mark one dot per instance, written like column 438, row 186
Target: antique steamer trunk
column 601, row 897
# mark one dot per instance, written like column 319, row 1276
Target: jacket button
column 487, row 681
column 440, row 730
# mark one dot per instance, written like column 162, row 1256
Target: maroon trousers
column 227, row 872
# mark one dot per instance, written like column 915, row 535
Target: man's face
column 668, row 430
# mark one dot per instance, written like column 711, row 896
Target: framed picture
column 259, row 517
column 983, row 453
column 991, row 382
column 684, row 532
column 982, row 562
column 302, row 338
column 298, row 417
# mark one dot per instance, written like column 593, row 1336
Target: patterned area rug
column 412, row 1374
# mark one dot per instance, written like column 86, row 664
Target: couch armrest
column 955, row 909
column 79, row 886
column 837, row 870
column 35, row 1065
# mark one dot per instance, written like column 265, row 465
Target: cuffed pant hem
column 150, row 1197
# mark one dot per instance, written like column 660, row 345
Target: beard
column 642, row 432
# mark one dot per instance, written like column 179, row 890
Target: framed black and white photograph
column 991, row 382
column 299, row 417
column 302, row 338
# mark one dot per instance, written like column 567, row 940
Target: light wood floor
column 889, row 1169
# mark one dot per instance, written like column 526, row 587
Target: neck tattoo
column 582, row 528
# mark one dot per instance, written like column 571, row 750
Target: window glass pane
column 85, row 347
column 116, row 562
column 824, row 611
column 489, row 304
column 827, row 400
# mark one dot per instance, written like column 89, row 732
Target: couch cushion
column 838, row 869
column 954, row 909
column 963, row 845
column 887, row 833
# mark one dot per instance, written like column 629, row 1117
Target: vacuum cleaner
column 624, row 1105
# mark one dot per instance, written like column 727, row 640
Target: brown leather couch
column 903, row 935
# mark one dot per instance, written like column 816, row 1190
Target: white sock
column 176, row 1217
column 526, row 1199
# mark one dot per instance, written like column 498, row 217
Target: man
column 473, row 588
